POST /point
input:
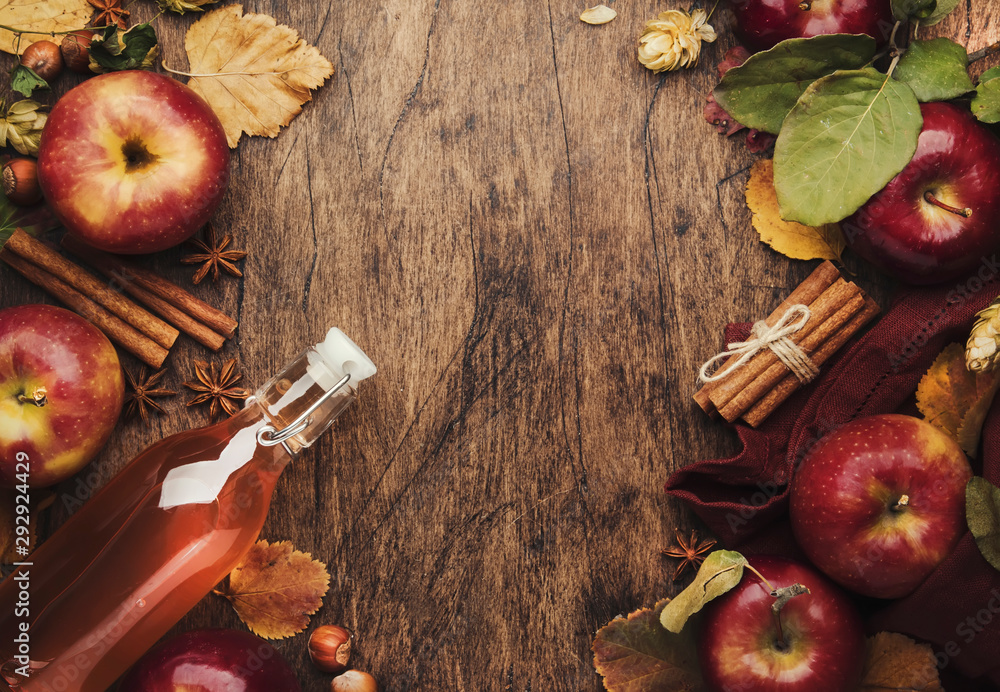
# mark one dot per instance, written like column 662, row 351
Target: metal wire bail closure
column 269, row 436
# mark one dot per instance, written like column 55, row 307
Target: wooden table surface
column 538, row 242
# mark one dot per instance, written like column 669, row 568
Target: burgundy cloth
column 744, row 498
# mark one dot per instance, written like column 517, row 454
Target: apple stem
column 38, row 397
column 806, row 5
column 781, row 597
column 931, row 199
column 903, row 501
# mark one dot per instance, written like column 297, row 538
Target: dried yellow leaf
column 255, row 73
column 956, row 400
column 42, row 16
column 787, row 237
column 276, row 588
column 896, row 662
column 599, row 14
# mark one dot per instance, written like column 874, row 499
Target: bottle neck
column 302, row 401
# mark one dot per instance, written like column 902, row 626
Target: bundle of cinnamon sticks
column 126, row 323
column 838, row 310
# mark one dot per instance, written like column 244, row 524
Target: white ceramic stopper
column 342, row 356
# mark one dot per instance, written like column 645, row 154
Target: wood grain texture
column 538, row 242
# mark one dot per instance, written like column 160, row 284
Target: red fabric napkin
column 744, row 498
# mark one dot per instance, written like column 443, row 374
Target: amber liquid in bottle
column 152, row 543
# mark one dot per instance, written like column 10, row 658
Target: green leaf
column 25, row 80
column 131, row 50
column 941, row 10
column 719, row 573
column 982, row 512
column 760, row 92
column 936, row 70
column 927, row 12
column 904, row 9
column 849, row 134
column 991, row 73
column 635, row 654
column 108, row 40
column 986, row 103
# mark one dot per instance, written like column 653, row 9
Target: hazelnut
column 44, row 58
column 330, row 648
column 20, row 182
column 75, row 51
column 354, row 681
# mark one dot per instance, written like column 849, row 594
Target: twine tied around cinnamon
column 762, row 336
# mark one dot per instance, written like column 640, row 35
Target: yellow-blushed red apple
column 213, row 660
column 761, row 24
column 879, row 502
column 133, row 162
column 939, row 218
column 812, row 642
column 61, row 392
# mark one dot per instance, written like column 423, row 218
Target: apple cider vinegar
column 166, row 530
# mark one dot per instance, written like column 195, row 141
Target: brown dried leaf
column 599, row 14
column 787, row 237
column 897, row 663
column 41, row 16
column 636, row 654
column 255, row 73
column 276, row 588
column 956, row 400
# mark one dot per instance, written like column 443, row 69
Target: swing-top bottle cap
column 327, row 365
column 343, row 357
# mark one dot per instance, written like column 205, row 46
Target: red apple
column 61, row 391
column 940, row 216
column 760, row 24
column 820, row 646
column 133, row 162
column 211, row 660
column 879, row 502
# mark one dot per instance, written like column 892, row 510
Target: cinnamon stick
column 136, row 343
column 114, row 266
column 805, row 293
column 821, row 309
column 39, row 254
column 769, row 402
column 177, row 317
column 775, row 373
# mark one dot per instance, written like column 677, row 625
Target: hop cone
column 22, row 127
column 982, row 352
column 673, row 39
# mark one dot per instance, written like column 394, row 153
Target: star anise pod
column 217, row 388
column 144, row 389
column 110, row 12
column 213, row 255
column 691, row 553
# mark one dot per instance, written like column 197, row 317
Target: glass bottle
column 168, row 528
